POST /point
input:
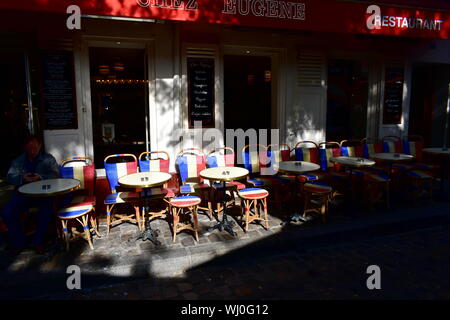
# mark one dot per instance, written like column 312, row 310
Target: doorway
column 429, row 94
column 248, row 92
column 347, row 96
column 119, row 97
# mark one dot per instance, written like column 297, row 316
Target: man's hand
column 31, row 177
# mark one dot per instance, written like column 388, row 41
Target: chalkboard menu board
column 58, row 93
column 200, row 73
column 393, row 95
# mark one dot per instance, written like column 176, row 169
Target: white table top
column 224, row 173
column 393, row 156
column 144, row 179
column 353, row 161
column 437, row 150
column 297, row 166
column 50, row 187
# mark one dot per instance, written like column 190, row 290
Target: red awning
column 315, row 15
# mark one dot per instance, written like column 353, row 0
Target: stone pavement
column 269, row 258
column 413, row 265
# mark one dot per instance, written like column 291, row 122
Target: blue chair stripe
column 66, row 172
column 111, row 173
column 144, row 165
column 212, row 161
column 406, row 147
column 344, row 151
column 323, row 159
column 247, row 162
column 299, row 154
column 72, row 213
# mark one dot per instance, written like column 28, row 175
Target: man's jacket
column 46, row 167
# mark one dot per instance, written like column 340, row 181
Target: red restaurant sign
column 316, row 15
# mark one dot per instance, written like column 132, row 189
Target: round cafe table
column 352, row 163
column 49, row 187
column 296, row 167
column 392, row 158
column 444, row 153
column 146, row 181
column 224, row 174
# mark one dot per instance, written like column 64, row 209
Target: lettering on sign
column 393, row 95
column 200, row 73
column 265, row 8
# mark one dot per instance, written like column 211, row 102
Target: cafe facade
column 155, row 74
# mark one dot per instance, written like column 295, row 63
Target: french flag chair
column 78, row 206
column 392, row 144
column 371, row 146
column 115, row 170
column 327, row 150
column 277, row 153
column 256, row 162
column 152, row 161
column 351, row 148
column 189, row 163
column 308, row 151
column 413, row 145
column 223, row 157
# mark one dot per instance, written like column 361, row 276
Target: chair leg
column 194, row 213
column 247, row 213
column 266, row 217
column 94, row 222
column 65, row 233
column 175, row 223
column 108, row 218
column 87, row 232
column 138, row 217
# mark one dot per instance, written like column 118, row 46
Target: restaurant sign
column 314, row 15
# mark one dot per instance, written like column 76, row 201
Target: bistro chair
column 277, row 153
column 80, row 206
column 223, row 157
column 182, row 209
column 156, row 161
column 352, row 148
column 189, row 163
column 321, row 193
column 376, row 189
column 114, row 171
column 254, row 206
column 371, row 146
column 419, row 184
column 392, row 144
column 308, row 151
column 413, row 145
column 150, row 161
column 256, row 162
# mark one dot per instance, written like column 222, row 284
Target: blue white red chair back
column 117, row 166
column 255, row 158
column 327, row 150
column 392, row 144
column 277, row 153
column 351, row 148
column 307, row 151
column 371, row 146
column 154, row 161
column 80, row 168
column 413, row 145
column 220, row 157
column 189, row 163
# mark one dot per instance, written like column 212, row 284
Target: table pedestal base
column 147, row 234
column 225, row 225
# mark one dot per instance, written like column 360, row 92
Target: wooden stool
column 374, row 188
column 420, row 181
column 257, row 198
column 81, row 214
column 184, row 205
column 323, row 192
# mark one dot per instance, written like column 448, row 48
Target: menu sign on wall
column 58, row 93
column 200, row 73
column 393, row 95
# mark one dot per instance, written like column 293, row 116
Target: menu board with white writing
column 200, row 73
column 58, row 93
column 393, row 95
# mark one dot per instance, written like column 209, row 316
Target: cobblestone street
column 414, row 265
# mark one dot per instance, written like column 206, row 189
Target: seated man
column 32, row 165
